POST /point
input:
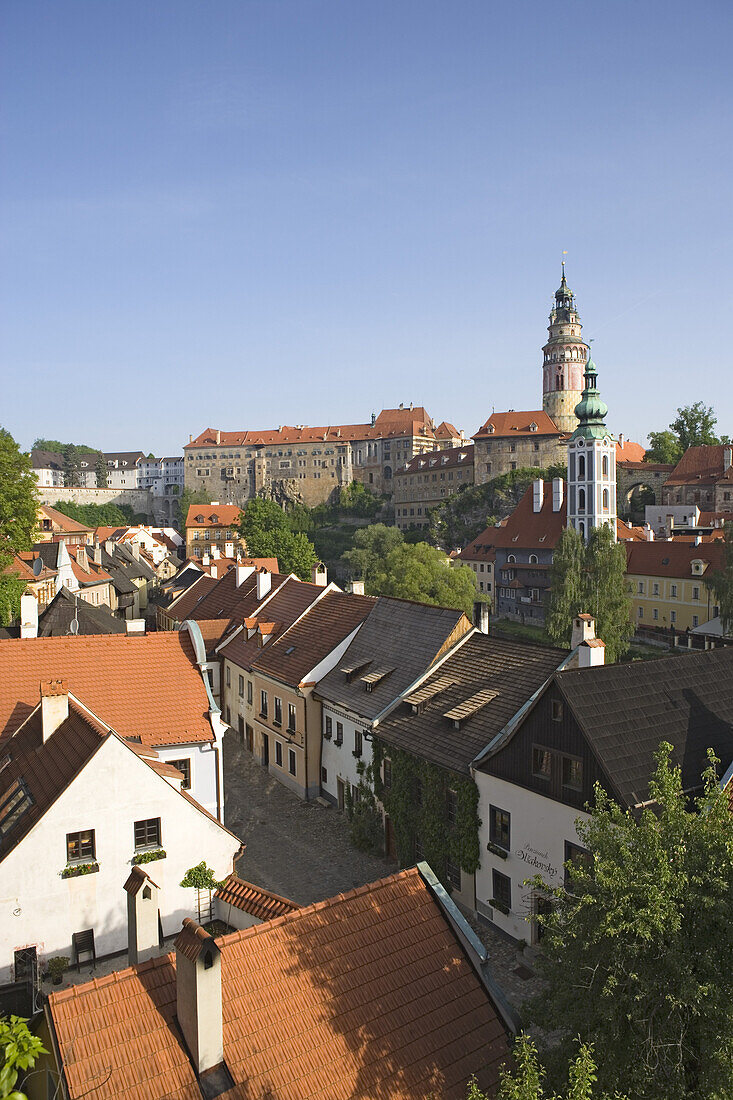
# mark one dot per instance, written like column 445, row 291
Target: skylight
column 13, row 804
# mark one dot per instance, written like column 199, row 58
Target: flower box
column 497, row 850
column 500, row 906
column 149, row 857
column 74, row 870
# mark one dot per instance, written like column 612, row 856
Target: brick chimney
column 355, row 587
column 142, row 916
column 54, row 705
column 481, row 616
column 198, row 995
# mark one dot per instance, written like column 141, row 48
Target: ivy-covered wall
column 417, row 804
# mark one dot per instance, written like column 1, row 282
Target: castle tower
column 565, row 357
column 591, row 463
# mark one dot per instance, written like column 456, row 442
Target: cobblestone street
column 303, row 851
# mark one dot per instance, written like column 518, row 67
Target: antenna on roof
column 74, row 624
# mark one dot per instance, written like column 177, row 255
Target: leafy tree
column 637, row 947
column 71, row 466
column 186, row 499
column 525, row 1081
column 663, row 447
column 422, row 573
column 19, row 1048
column 720, row 582
column 267, row 534
column 100, row 472
column 201, row 879
column 18, row 520
column 591, row 578
column 58, row 447
column 98, row 515
column 371, row 546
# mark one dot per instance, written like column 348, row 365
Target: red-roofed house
column 426, row 480
column 209, row 525
column 703, row 476
column 512, row 440
column 668, row 588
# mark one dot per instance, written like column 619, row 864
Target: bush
column 367, row 831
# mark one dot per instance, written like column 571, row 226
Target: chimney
column 242, row 572
column 215, row 553
column 591, row 653
column 214, row 571
column 135, row 550
column 264, row 583
column 28, row 615
column 54, row 705
column 669, row 527
column 206, row 558
column 584, row 629
column 319, row 575
column 621, row 439
column 190, row 438
column 142, row 916
column 698, row 540
column 355, row 587
column 648, row 532
column 109, row 547
column 481, row 616
column 727, row 458
column 538, row 492
column 218, row 437
column 81, row 558
column 96, row 552
column 558, row 490
column 198, row 995
column 228, row 549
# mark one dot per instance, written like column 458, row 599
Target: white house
column 79, row 807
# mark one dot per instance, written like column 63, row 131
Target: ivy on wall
column 416, row 802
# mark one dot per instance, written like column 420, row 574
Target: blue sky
column 246, row 213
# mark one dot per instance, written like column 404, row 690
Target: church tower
column 565, row 357
column 591, row 463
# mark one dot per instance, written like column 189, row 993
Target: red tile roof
column 390, row 422
column 22, row 566
column 699, row 465
column 524, row 528
column 515, row 424
column 146, row 686
column 671, row 559
column 254, row 900
column 65, row 523
column 183, row 605
column 227, row 515
column 628, row 451
column 365, row 995
column 650, row 467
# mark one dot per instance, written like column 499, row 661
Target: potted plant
column 56, row 967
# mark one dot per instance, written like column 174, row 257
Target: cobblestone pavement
column 302, row 850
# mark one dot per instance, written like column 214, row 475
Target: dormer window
column 533, row 427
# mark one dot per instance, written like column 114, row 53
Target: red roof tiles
column 671, row 559
column 524, row 528
column 213, row 515
column 515, row 424
column 147, row 687
column 253, row 899
column 700, row 465
column 367, row 995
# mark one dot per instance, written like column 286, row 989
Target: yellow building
column 209, row 525
column 667, row 583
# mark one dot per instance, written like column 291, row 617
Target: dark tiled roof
column 439, row 460
column 514, row 671
column 365, row 995
column 253, row 899
column 626, row 710
column 297, row 651
column 55, row 621
column 288, row 603
column 183, row 607
column 398, row 633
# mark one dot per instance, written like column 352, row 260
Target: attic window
column 199, row 519
column 371, row 679
column 533, row 427
column 356, row 666
column 470, row 706
column 289, row 650
column 665, row 561
column 14, row 803
column 418, row 699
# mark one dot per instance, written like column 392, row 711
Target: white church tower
column 591, row 463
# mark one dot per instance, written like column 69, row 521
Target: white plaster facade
column 539, row 830
column 113, row 791
column 338, row 763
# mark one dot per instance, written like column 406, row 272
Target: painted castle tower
column 591, row 463
column 565, row 357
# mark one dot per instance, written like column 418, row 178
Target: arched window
column 605, row 499
column 533, row 559
column 581, row 528
column 581, row 500
column 581, row 466
column 511, row 558
column 605, row 465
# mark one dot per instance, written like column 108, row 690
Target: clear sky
column 247, row 213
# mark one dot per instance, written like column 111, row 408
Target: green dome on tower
column 591, row 410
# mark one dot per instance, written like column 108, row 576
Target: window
column 147, row 833
column 696, row 593
column 328, row 731
column 579, row 857
column 263, row 704
column 249, row 692
column 673, row 616
column 358, row 743
column 556, row 710
column 324, row 775
column 695, row 620
column 572, row 773
column 451, row 807
column 499, row 827
column 581, row 500
column 673, row 591
column 80, row 846
column 278, row 717
column 453, row 874
column 241, row 687
column 184, row 767
column 229, row 676
column 15, row 802
column 502, row 885
column 291, row 762
column 640, row 612
column 339, row 733
column 655, row 613
column 641, row 588
column 581, row 466
column 387, row 773
column 655, row 589
column 541, row 762
column 291, row 717
column 279, row 754
column 605, row 498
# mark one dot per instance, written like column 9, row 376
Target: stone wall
column 140, row 500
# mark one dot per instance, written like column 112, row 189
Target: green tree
column 636, row 949
column 71, row 466
column 100, row 472
column 265, row 528
column 663, row 447
column 720, row 582
column 371, row 546
column 19, row 1048
column 186, row 499
column 524, row 1082
column 422, row 573
column 591, row 578
column 18, row 520
column 58, row 447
